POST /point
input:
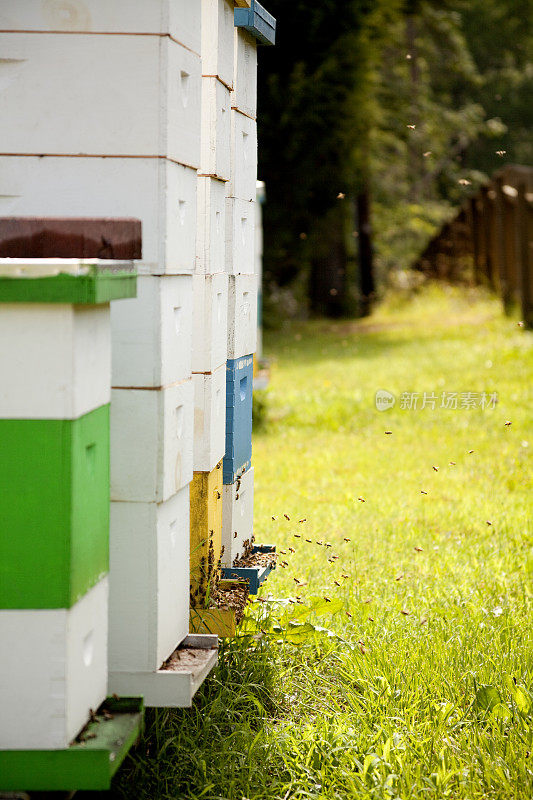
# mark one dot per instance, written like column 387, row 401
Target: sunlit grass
column 437, row 602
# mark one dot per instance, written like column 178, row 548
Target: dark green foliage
column 336, row 97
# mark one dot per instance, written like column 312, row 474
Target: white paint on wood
column 216, row 129
column 211, row 220
column 53, row 670
column 210, row 322
column 158, row 192
column 217, row 39
column 55, row 360
column 209, row 419
column 179, row 18
column 244, row 95
column 149, row 583
column 152, row 334
column 240, row 234
column 166, row 688
column 242, row 184
column 242, row 315
column 151, row 442
column 101, row 95
column 237, row 517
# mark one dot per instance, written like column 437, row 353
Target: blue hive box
column 239, row 387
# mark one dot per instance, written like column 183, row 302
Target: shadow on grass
column 216, row 749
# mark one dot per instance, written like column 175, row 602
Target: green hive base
column 89, row 764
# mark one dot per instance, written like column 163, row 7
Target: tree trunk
column 367, row 286
column 327, row 280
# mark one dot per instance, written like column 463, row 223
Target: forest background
column 389, row 114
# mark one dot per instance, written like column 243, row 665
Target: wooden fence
column 490, row 241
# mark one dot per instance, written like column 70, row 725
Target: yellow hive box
column 205, row 532
column 219, row 621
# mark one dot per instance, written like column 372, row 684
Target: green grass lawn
column 420, row 685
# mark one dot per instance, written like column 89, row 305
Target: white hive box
column 242, row 315
column 151, row 442
column 243, row 179
column 179, row 18
column 146, row 88
column 209, row 419
column 53, row 670
column 210, row 322
column 211, row 230
column 217, row 39
column 237, row 517
column 216, row 129
column 149, row 582
column 65, row 370
column 160, row 193
column 152, row 338
column 244, row 96
column 240, row 237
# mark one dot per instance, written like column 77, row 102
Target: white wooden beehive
column 242, row 315
column 152, row 336
column 209, row 419
column 179, row 18
column 211, row 230
column 240, row 237
column 53, row 670
column 216, row 129
column 151, row 442
column 217, row 39
column 210, row 322
column 237, row 517
column 67, row 360
column 146, row 88
column 160, row 193
column 243, row 179
column 149, row 582
column 244, row 96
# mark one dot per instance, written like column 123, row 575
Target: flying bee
column 319, row 542
column 303, row 520
column 470, row 451
column 405, row 613
column 310, row 541
column 327, row 599
column 235, row 535
column 362, row 499
column 452, row 464
column 292, row 550
column 399, row 577
column 508, row 423
column 388, row 433
column 327, row 544
column 436, row 469
column 336, row 583
column 296, row 580
column 349, row 615
column 345, row 576
column 287, row 517
column 489, row 522
column 418, row 549
column 297, row 535
column 274, row 518
column 346, row 539
column 371, row 619
column 422, row 491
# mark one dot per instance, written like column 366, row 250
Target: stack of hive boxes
column 237, row 512
column 147, row 110
column 54, row 471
